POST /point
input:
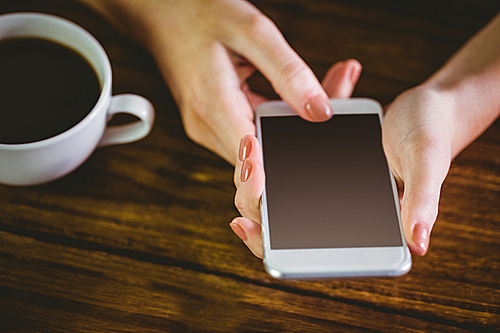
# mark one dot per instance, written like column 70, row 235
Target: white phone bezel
column 335, row 262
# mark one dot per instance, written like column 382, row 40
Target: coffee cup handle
column 132, row 104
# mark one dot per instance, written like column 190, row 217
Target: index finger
column 260, row 41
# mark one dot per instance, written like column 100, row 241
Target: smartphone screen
column 328, row 184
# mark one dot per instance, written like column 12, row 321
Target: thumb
column 419, row 212
column 419, row 205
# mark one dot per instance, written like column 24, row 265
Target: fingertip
column 419, row 211
column 246, row 170
column 245, row 147
column 420, row 239
column 250, row 233
column 238, row 230
column 319, row 109
column 417, row 250
column 341, row 78
column 248, row 147
column 354, row 68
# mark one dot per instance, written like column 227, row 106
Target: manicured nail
column 421, row 236
column 245, row 148
column 246, row 169
column 319, row 108
column 238, row 231
column 355, row 72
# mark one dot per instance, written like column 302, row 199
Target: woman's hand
column 427, row 126
column 249, row 175
column 416, row 136
column 206, row 51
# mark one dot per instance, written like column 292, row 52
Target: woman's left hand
column 249, row 178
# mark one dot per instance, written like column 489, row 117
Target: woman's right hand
column 206, row 51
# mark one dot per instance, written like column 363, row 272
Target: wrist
column 470, row 82
column 473, row 102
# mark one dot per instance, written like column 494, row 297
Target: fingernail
column 238, row 231
column 246, row 169
column 319, row 108
column 421, row 236
column 245, row 148
column 355, row 71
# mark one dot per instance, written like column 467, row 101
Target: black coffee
column 45, row 89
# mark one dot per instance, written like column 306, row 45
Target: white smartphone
column 330, row 206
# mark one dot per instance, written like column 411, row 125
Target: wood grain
column 137, row 238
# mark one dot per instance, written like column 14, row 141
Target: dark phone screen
column 327, row 184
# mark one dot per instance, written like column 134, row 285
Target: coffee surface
column 45, row 89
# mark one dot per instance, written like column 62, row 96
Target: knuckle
column 194, row 108
column 240, row 204
column 256, row 25
column 430, row 207
column 245, row 205
column 192, row 133
column 293, row 76
column 194, row 116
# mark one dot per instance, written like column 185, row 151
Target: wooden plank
column 84, row 288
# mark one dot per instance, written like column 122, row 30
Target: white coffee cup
column 49, row 159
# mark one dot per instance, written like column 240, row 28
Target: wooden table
column 137, row 239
